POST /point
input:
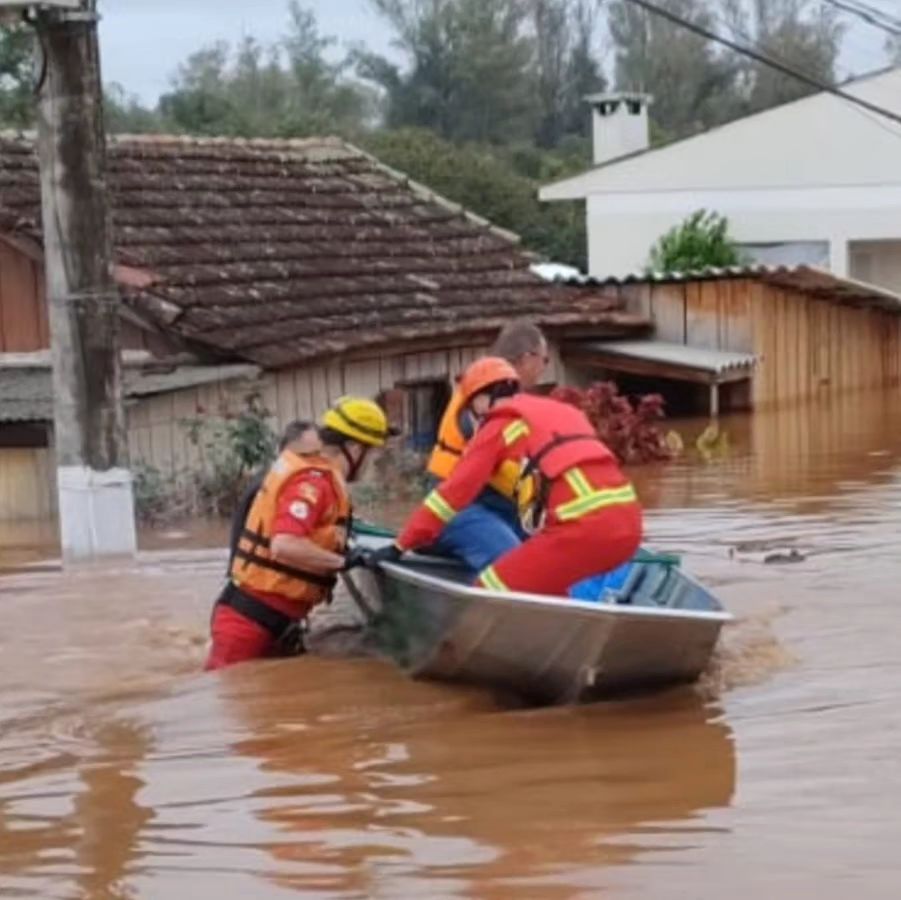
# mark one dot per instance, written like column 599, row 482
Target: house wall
column 158, row 437
column 623, row 227
column 805, row 345
column 27, row 483
column 23, row 312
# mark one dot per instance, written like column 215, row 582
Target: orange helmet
column 484, row 373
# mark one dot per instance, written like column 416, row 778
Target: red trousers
column 566, row 552
column 236, row 639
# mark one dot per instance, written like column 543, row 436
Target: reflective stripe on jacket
column 553, row 440
column 556, row 439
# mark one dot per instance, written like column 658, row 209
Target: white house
column 817, row 181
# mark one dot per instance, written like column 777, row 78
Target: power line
column 761, row 58
column 879, row 12
column 870, row 15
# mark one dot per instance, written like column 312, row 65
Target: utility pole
column 96, row 504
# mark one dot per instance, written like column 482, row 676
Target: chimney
column 619, row 124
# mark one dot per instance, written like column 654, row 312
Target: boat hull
column 548, row 650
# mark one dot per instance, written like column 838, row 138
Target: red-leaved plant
column 631, row 431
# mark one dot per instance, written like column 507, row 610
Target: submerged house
column 297, row 270
column 748, row 337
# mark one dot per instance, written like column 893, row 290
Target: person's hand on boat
column 388, row 554
column 354, row 557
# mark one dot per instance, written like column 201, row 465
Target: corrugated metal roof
column 26, row 392
column 716, row 362
column 807, row 279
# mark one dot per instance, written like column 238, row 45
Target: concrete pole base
column 96, row 513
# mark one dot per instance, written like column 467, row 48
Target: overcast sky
column 143, row 41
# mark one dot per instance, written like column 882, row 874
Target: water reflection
column 108, row 812
column 74, row 817
column 807, row 456
column 470, row 795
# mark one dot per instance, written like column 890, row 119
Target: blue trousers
column 479, row 535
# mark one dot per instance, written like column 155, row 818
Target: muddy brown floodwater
column 125, row 772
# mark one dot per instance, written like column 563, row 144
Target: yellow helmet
column 359, row 419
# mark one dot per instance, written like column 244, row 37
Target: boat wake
column 748, row 653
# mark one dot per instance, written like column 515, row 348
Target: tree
column 566, row 68
column 702, row 241
column 16, row 77
column 694, row 85
column 198, row 102
column 283, row 90
column 468, row 74
column 805, row 34
column 125, row 114
column 585, row 75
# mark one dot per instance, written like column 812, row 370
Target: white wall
column 622, row 227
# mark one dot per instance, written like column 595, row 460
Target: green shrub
column 701, row 242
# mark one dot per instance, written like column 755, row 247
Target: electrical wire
column 869, row 15
column 765, row 60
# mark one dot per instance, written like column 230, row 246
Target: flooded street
column 125, row 772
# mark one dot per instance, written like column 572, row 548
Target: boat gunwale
column 537, row 600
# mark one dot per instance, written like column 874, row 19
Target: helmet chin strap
column 353, row 465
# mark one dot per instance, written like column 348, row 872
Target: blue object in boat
column 592, row 589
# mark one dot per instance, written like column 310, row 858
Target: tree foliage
column 489, row 71
column 567, row 67
column 16, row 77
column 125, row 114
column 702, row 241
column 696, row 84
column 468, row 66
column 693, row 85
column 806, row 34
column 284, row 90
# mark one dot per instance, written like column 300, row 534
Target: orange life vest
column 451, row 443
column 450, row 446
column 558, row 439
column 253, row 566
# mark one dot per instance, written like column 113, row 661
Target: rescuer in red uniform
column 587, row 516
column 294, row 538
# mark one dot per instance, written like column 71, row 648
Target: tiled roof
column 278, row 252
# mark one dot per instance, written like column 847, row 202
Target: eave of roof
column 810, row 280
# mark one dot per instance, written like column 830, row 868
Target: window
column 423, row 403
